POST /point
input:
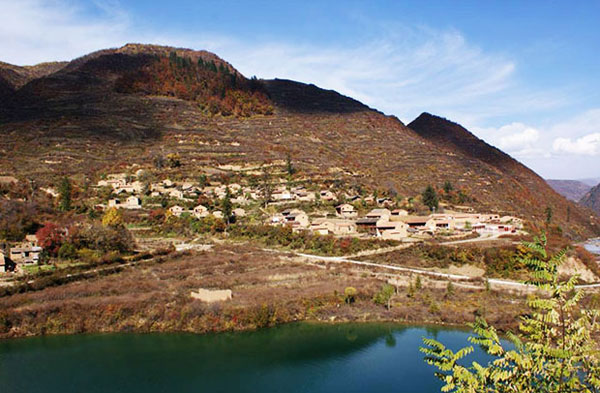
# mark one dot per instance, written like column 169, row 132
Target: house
column 327, row 226
column 379, row 213
column 200, row 211
column 327, row 195
column 399, row 213
column 6, row 265
column 368, row 224
column 305, row 196
column 176, row 210
column 296, row 217
column 132, row 202
column 175, row 193
column 218, row 214
column 282, row 195
column 25, row 254
column 239, row 212
column 391, row 230
column 345, row 210
column 421, row 223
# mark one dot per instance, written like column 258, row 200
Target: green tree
column 64, row 190
column 266, row 185
column 384, row 296
column 430, row 198
column 289, row 165
column 555, row 349
column 349, row 295
column 448, row 187
column 548, row 213
column 226, row 206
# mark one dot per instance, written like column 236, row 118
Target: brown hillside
column 520, row 186
column 85, row 118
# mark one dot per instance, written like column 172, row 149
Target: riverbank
column 269, row 288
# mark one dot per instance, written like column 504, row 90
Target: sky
column 522, row 75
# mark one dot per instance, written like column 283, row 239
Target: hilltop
column 121, row 106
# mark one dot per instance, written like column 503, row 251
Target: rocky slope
column 125, row 105
column 592, row 199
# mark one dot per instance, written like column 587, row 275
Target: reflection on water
column 292, row 358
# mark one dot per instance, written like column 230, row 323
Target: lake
column 291, row 358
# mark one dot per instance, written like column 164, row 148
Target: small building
column 346, row 210
column 200, row 211
column 218, row 214
column 421, row 223
column 327, row 195
column 176, row 210
column 392, row 230
column 239, row 212
column 326, row 226
column 379, row 213
column 296, row 217
column 399, row 213
column 25, row 254
column 133, row 202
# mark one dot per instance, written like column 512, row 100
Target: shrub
column 384, row 296
column 67, row 251
column 350, row 295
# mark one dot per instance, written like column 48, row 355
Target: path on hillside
column 449, row 276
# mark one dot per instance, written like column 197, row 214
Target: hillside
column 592, row 199
column 570, row 189
column 127, row 105
column 518, row 185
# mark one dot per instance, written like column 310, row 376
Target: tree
column 226, row 206
column 448, row 187
column 266, row 185
column 64, row 191
column 112, row 218
column 430, row 198
column 50, row 237
column 555, row 349
column 350, row 294
column 548, row 213
column 290, row 166
column 384, row 296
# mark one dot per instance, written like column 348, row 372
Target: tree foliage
column 50, row 237
column 554, row 350
column 64, row 190
column 112, row 218
column 430, row 198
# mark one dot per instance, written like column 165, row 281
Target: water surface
column 293, row 358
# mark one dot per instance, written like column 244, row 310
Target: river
column 593, row 246
column 292, row 358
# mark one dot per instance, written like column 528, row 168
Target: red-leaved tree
column 50, row 237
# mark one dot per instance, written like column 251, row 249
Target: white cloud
column 517, row 136
column 34, row 31
column 588, row 145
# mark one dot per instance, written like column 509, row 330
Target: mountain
column 592, row 199
column 570, row 189
column 120, row 106
column 515, row 183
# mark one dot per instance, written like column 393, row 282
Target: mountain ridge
column 128, row 104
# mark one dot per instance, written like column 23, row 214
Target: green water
column 292, row 358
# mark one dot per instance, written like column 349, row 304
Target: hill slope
column 518, row 185
column 126, row 105
column 592, row 199
column 570, row 189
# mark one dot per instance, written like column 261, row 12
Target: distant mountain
column 592, row 199
column 121, row 106
column 570, row 189
column 591, row 181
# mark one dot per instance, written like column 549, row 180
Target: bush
column 67, row 251
column 349, row 295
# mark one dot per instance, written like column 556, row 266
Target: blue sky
column 523, row 75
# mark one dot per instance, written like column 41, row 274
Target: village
column 273, row 202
